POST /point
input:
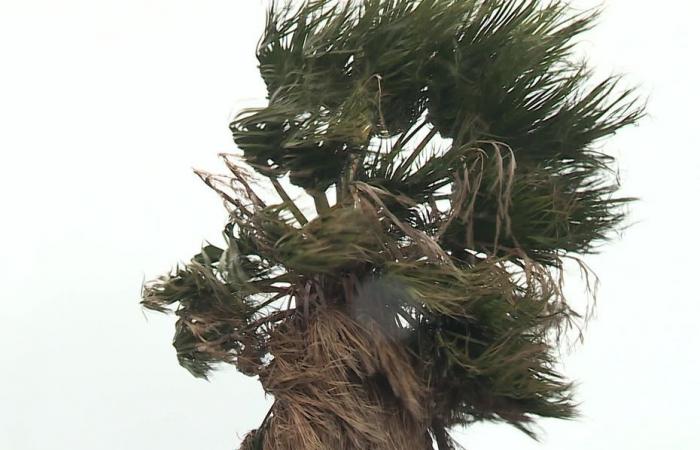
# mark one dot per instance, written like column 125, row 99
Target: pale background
column 105, row 105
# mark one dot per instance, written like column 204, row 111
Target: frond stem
column 296, row 212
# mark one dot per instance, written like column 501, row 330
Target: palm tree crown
column 451, row 151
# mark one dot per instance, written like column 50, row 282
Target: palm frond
column 462, row 139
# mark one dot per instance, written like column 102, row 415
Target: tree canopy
column 452, row 151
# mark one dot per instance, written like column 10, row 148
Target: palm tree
column 450, row 148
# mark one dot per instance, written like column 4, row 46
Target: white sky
column 105, row 106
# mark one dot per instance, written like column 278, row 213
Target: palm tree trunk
column 342, row 385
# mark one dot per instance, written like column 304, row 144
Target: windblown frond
column 462, row 140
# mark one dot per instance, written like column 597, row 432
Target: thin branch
column 236, row 171
column 417, row 151
column 401, row 141
column 209, row 179
column 296, row 212
column 279, row 315
column 320, row 200
column 272, row 300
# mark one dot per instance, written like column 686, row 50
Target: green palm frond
column 462, row 140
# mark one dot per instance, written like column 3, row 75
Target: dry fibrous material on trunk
column 451, row 150
column 341, row 384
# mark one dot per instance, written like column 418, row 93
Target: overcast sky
column 106, row 105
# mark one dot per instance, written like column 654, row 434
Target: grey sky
column 105, row 106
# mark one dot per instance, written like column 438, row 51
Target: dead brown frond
column 341, row 385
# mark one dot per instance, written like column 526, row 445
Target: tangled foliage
column 458, row 140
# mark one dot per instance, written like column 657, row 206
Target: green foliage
column 462, row 139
